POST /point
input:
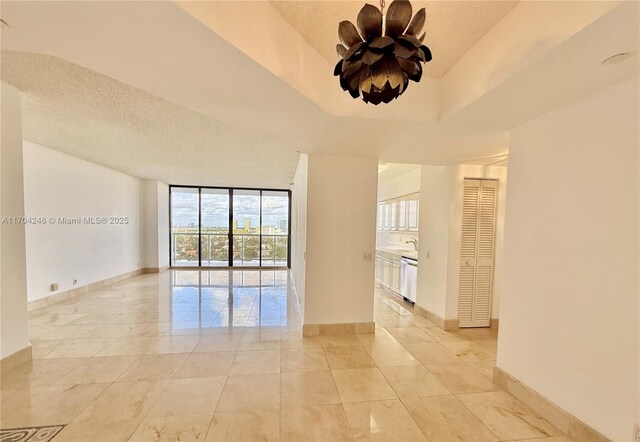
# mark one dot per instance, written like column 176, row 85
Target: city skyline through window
column 201, row 234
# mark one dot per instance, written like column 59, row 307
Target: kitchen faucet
column 414, row 242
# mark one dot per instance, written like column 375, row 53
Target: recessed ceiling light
column 618, row 58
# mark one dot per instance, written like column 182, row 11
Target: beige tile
column 381, row 421
column 174, row 344
column 153, row 367
column 339, row 340
column 256, row 362
column 469, row 351
column 123, row 401
column 129, row 346
column 40, row 348
column 172, row 428
column 391, row 354
column 260, row 341
column 109, row 331
column 441, row 335
column 98, row 370
column 362, row 384
column 56, row 405
column 381, row 336
column 430, row 353
column 149, row 329
column 341, row 357
column 250, row 425
column 79, row 348
column 507, row 417
column 250, row 392
column 549, row 439
column 308, row 388
column 57, row 319
column 47, row 332
column 477, row 334
column 118, row 431
column 222, row 342
column 461, row 378
column 293, row 340
column 38, row 373
column 485, row 368
column 200, row 365
column 406, row 335
column 445, row 418
column 413, row 381
column 314, row 423
column 492, row 345
column 188, row 396
column 303, row 359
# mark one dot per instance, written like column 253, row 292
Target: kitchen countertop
column 412, row 254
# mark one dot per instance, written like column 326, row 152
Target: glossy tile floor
column 218, row 355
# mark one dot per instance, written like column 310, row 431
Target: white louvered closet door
column 476, row 253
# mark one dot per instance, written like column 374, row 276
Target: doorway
column 229, row 227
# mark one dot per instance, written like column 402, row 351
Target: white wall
column 433, row 242
column 569, row 314
column 156, row 224
column 14, row 334
column 299, row 228
column 58, row 185
column 441, row 200
column 341, row 230
column 163, row 225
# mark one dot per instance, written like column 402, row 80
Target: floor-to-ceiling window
column 221, row 227
column 185, row 226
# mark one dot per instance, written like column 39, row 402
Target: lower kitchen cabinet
column 388, row 271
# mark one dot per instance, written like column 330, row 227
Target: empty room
column 319, row 220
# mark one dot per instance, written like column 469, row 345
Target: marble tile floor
column 219, row 355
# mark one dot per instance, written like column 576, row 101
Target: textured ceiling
column 93, row 117
column 452, row 26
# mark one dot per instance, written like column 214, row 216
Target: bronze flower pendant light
column 375, row 66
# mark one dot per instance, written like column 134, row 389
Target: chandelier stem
column 382, row 6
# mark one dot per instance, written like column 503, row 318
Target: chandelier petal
column 341, row 50
column 370, row 22
column 412, row 68
column 381, row 43
column 417, row 23
column 348, row 34
column 398, row 17
column 402, row 51
column 409, row 41
column 427, row 53
column 355, row 51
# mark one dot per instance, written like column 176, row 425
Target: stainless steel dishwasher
column 409, row 278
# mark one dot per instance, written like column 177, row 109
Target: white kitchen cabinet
column 400, row 214
column 393, row 215
column 394, row 284
column 388, row 271
column 386, row 216
column 413, row 212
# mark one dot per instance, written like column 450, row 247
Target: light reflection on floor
column 229, row 298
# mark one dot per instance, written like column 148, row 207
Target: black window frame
column 230, row 234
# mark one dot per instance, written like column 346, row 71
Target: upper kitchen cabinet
column 399, row 214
